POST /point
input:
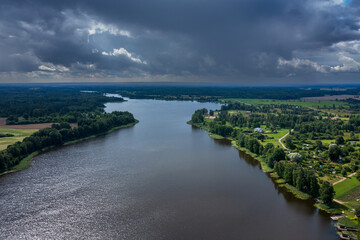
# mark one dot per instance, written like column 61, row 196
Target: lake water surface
column 161, row 179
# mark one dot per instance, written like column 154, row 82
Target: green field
column 348, row 190
column 276, row 137
column 19, row 135
column 315, row 104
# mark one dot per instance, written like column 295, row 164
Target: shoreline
column 26, row 162
column 333, row 210
column 271, row 172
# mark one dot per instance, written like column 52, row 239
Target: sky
column 212, row 41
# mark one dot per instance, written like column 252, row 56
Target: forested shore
column 306, row 149
column 63, row 133
column 75, row 114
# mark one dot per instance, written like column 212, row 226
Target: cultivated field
column 348, row 190
column 330, row 98
column 19, row 135
column 19, row 131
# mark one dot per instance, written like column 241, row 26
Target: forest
column 21, row 105
column 60, row 106
column 306, row 148
column 59, row 134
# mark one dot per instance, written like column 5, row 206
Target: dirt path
column 280, row 139
column 338, row 201
column 341, row 180
column 344, row 178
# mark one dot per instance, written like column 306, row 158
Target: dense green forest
column 207, row 93
column 41, row 105
column 58, row 134
column 168, row 91
column 60, row 106
column 319, row 147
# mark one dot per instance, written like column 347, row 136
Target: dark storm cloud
column 232, row 40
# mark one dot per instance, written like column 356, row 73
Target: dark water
column 161, row 179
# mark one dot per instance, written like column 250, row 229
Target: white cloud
column 329, row 3
column 348, row 64
column 83, row 66
column 99, row 28
column 352, row 47
column 298, row 63
column 123, row 52
column 52, row 68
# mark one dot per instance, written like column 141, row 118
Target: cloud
column 302, row 64
column 52, row 68
column 99, row 28
column 123, row 52
column 351, row 47
column 229, row 40
column 348, row 64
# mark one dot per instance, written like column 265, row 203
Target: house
column 336, row 118
column 275, row 131
column 259, row 130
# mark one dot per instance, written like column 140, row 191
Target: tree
column 319, row 144
column 327, row 192
column 340, row 140
column 334, row 152
column 289, row 143
column 313, row 183
column 295, row 157
column 288, row 173
column 197, row 117
column 299, row 179
column 357, row 212
column 276, row 156
column 269, row 147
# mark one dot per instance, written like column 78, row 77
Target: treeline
column 212, row 93
column 305, row 180
column 267, row 152
column 301, row 178
column 48, row 104
column 307, row 123
column 59, row 134
column 198, row 116
column 2, row 135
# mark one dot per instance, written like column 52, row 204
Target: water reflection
column 161, row 179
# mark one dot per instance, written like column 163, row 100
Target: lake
column 161, row 179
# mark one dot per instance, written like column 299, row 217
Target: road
column 283, row 138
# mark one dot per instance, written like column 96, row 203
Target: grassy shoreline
column 334, row 209
column 265, row 168
column 26, row 162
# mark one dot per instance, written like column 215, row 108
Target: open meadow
column 18, row 136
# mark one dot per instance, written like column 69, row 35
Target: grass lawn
column 19, row 135
column 331, row 178
column 348, row 190
column 327, row 141
column 276, row 137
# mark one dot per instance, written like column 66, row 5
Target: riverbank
column 26, row 162
column 334, row 209
column 272, row 174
